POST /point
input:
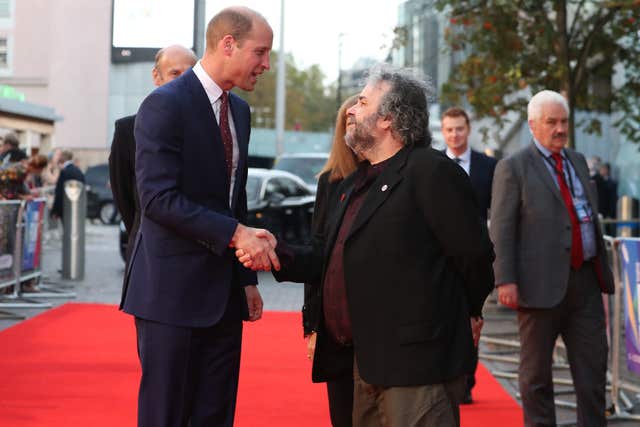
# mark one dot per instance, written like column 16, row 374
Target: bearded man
column 405, row 265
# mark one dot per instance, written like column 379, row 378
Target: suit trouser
column 189, row 375
column 431, row 405
column 340, row 394
column 579, row 319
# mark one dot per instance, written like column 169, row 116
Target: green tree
column 571, row 46
column 310, row 106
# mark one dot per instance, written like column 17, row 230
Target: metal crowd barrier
column 621, row 391
column 22, row 226
column 621, row 403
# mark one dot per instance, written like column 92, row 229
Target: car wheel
column 108, row 214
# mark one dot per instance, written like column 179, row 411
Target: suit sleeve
column 450, row 208
column 312, row 294
column 122, row 174
column 505, row 211
column 159, row 139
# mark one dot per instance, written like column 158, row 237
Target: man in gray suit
column 551, row 264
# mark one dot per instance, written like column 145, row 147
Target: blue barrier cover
column 32, row 235
column 630, row 266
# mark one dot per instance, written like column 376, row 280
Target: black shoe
column 467, row 399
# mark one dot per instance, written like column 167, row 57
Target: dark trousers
column 189, row 375
column 579, row 319
column 340, row 393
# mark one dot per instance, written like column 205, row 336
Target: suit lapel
column 380, row 189
column 538, row 164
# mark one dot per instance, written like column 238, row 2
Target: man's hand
column 476, row 328
column 255, row 248
column 508, row 295
column 311, row 346
column 254, row 302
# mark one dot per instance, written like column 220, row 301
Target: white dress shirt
column 214, row 93
column 465, row 159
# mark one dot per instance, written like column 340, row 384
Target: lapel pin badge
column 384, row 187
column 342, row 197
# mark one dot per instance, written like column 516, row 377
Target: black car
column 280, row 202
column 99, row 197
column 276, row 200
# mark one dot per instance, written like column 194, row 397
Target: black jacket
column 70, row 171
column 481, row 176
column 122, row 175
column 417, row 264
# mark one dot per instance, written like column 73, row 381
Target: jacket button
column 567, row 249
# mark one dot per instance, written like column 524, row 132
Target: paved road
column 103, row 284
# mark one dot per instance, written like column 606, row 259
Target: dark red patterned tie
column 577, row 256
column 225, row 132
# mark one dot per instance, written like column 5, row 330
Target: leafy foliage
column 513, row 48
column 309, row 105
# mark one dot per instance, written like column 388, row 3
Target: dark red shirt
column 334, row 295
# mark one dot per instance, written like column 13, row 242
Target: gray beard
column 361, row 140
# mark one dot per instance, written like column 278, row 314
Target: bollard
column 74, row 214
column 625, row 213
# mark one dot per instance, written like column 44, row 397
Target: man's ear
column 227, row 44
column 157, row 78
column 384, row 122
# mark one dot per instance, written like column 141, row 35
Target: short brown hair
column 235, row 21
column 456, row 112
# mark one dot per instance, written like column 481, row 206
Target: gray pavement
column 103, row 284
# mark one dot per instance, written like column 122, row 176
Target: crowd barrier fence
column 624, row 394
column 22, row 227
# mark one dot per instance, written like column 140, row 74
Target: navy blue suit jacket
column 481, row 176
column 182, row 271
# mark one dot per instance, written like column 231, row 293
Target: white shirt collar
column 465, row 157
column 210, row 87
column 67, row 163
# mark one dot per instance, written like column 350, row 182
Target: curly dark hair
column 405, row 102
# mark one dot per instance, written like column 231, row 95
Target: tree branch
column 580, row 67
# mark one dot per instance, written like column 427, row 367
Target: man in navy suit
column 455, row 129
column 183, row 284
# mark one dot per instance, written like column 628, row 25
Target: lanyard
column 565, row 165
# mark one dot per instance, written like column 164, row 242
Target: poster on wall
column 630, row 268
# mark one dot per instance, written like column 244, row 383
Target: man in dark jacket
column 170, row 62
column 10, row 151
column 68, row 171
column 406, row 263
column 455, row 130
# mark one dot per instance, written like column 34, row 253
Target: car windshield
column 253, row 188
column 305, row 167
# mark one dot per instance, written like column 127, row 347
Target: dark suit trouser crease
column 340, row 394
column 579, row 319
column 189, row 375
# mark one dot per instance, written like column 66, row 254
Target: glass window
column 293, row 188
column 253, row 188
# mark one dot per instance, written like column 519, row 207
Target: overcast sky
column 313, row 28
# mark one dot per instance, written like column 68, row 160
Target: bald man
column 183, row 284
column 170, row 63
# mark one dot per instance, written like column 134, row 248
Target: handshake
column 255, row 248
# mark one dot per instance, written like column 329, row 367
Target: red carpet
column 76, row 366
